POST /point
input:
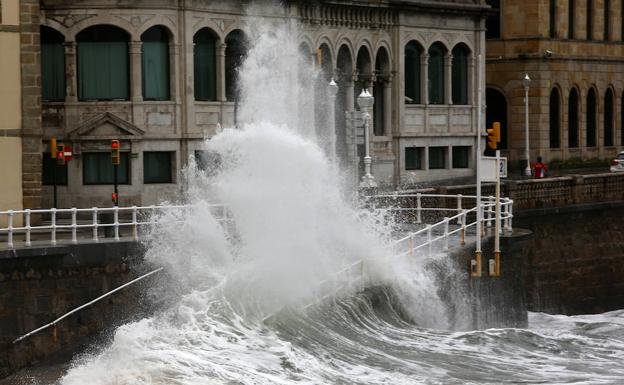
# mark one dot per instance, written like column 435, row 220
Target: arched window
column 608, row 118
column 436, row 73
column 52, row 65
column 496, row 111
column 573, row 125
column 590, row 19
column 607, row 24
column 553, row 19
column 382, row 69
column 205, row 65
column 412, row 72
column 571, row 18
column 155, row 63
column 103, row 63
column 235, row 52
column 591, row 118
column 363, row 65
column 460, row 74
column 555, row 101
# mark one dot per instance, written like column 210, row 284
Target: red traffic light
column 115, row 144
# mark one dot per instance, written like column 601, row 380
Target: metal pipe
column 27, row 220
column 86, row 305
column 53, row 224
column 10, row 229
column 74, row 236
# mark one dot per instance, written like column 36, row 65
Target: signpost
column 61, row 153
column 115, row 160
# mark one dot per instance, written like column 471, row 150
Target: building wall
column 10, row 107
column 557, row 60
column 181, row 123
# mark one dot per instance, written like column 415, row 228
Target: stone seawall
column 37, row 285
column 576, row 259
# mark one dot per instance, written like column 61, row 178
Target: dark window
column 48, row 177
column 412, row 72
column 103, row 63
column 571, row 18
column 590, row 19
column 155, row 63
column 98, row 169
column 436, row 74
column 573, row 125
column 460, row 74
column 437, row 157
column 496, row 111
column 157, row 167
column 591, row 118
column 553, row 18
column 492, row 23
column 622, row 122
column 205, row 64
column 608, row 118
column 235, row 51
column 52, row 65
column 382, row 69
column 607, row 29
column 461, row 156
column 554, row 115
column 413, row 158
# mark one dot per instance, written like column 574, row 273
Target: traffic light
column 493, row 136
column 115, row 158
column 60, row 154
column 53, row 148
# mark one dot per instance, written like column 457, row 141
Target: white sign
column 488, row 168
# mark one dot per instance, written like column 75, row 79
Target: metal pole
column 332, row 90
column 497, row 220
column 526, row 82
column 116, row 169
column 476, row 262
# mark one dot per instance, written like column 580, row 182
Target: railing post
column 116, row 222
column 135, row 232
column 10, row 229
column 459, row 207
column 446, row 233
column 74, row 223
column 27, row 225
column 429, row 238
column 462, row 233
column 418, row 208
column 510, row 222
column 53, row 225
column 95, row 223
column 411, row 244
column 489, row 211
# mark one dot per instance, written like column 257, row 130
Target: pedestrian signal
column 60, row 154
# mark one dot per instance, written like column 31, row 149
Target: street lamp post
column 365, row 101
column 332, row 90
column 526, row 82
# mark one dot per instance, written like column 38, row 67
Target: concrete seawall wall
column 576, row 259
column 37, row 285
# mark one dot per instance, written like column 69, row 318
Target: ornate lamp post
column 365, row 101
column 332, row 90
column 526, row 82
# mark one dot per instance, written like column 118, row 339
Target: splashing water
column 292, row 227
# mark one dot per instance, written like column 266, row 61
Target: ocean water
column 236, row 294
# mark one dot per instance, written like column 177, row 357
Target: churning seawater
column 293, row 224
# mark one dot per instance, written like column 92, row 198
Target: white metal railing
column 442, row 231
column 69, row 226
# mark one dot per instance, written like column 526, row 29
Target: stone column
column 424, row 79
column 471, row 80
column 350, row 91
column 136, row 90
column 174, row 71
column 71, row 92
column 387, row 94
column 221, row 72
column 448, row 74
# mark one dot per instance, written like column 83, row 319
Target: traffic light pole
column 115, row 170
column 54, row 162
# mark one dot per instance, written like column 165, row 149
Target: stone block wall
column 38, row 285
column 576, row 259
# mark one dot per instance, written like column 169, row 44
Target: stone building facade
column 572, row 51
column 161, row 76
column 20, row 105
